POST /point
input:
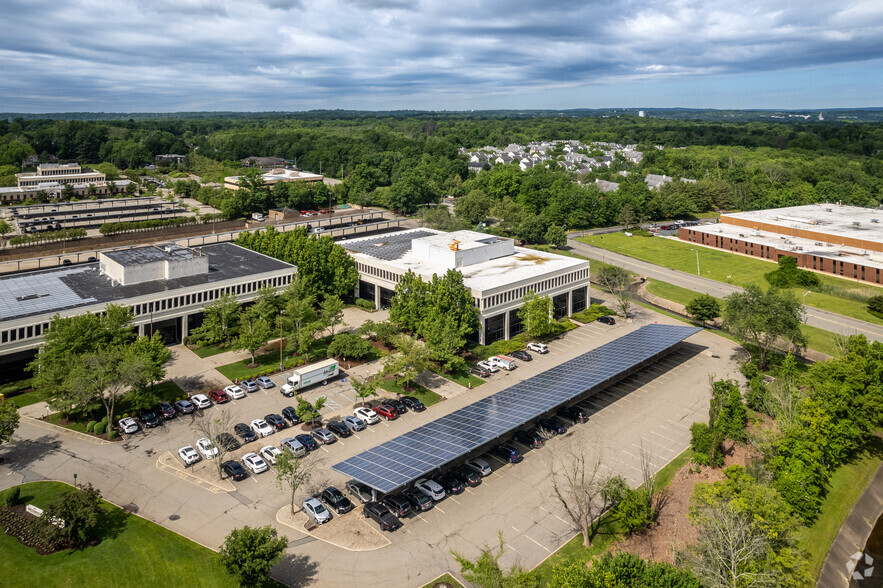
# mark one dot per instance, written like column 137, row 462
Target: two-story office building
column 51, row 179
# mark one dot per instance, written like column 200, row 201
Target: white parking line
column 356, row 436
column 538, row 543
column 440, row 510
column 455, row 500
column 516, row 530
column 420, row 517
column 664, row 437
column 554, row 515
column 513, row 549
column 323, row 449
column 341, row 442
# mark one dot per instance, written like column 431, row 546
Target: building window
column 494, row 328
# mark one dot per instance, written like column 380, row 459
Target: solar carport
column 415, row 454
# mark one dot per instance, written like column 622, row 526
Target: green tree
column 307, row 411
column 485, row 570
column 449, row 298
column 875, row 306
column 8, row 420
column 349, row 345
column 220, row 320
column 248, row 554
column 532, row 228
column 384, row 331
column 616, row 280
column 5, row 227
column 474, row 207
column 80, row 509
column 331, row 312
column 67, row 192
column 635, row 511
column 444, row 342
column 408, row 306
column 254, row 334
column 556, row 236
column 621, row 570
column 408, row 363
column 764, row 317
column 364, row 390
column 108, row 374
column 536, row 315
column 704, row 308
column 266, row 306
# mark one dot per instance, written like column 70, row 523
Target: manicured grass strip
column 209, row 350
column 463, row 377
column 27, row 399
column 847, row 484
column 821, row 340
column 134, row 551
column 448, row 578
column 269, row 362
column 424, row 395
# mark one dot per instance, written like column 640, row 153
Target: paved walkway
column 853, row 535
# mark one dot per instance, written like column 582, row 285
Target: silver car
column 431, row 488
column 323, row 435
column 479, row 466
column 316, row 511
column 265, row 382
column 354, row 423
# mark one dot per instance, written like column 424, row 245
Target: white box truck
column 311, row 374
column 503, row 361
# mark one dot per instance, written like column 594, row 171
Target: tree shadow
column 113, row 523
column 295, row 570
column 190, row 384
column 26, row 452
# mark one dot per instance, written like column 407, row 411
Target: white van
column 503, row 361
column 257, row 216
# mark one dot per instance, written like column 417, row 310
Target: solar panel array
column 37, row 292
column 388, row 247
column 402, row 460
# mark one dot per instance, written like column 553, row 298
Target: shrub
column 756, row 398
column 635, row 512
column 875, row 306
column 90, row 426
column 99, row 428
column 11, row 496
column 112, row 434
column 592, row 313
column 702, row 441
column 366, row 304
column 104, row 420
column 125, row 415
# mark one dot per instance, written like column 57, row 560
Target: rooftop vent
column 856, row 223
column 828, row 209
column 875, row 220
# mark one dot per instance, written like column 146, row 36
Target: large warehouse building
column 839, row 240
column 497, row 273
column 166, row 287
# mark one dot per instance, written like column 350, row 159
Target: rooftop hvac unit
column 829, row 244
column 819, row 243
column 828, row 209
column 875, row 220
column 856, row 223
column 799, row 248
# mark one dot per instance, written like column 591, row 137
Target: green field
column 424, row 395
column 133, row 552
column 731, row 269
column 462, row 377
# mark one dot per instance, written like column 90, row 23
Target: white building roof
column 836, row 221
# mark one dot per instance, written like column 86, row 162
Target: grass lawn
column 209, row 350
column 269, row 362
column 26, row 399
column 424, row 395
column 142, row 552
column 445, row 578
column 549, row 249
column 847, row 484
column 728, row 267
column 462, row 377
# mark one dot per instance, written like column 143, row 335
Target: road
column 836, row 323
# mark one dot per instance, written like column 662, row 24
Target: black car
column 522, row 355
column 276, row 421
column 308, row 442
column 381, row 514
column 291, row 414
column 508, row 453
column 339, row 429
column 450, row 483
column 552, row 425
column 165, row 409
column 228, row 441
column 479, row 371
column 469, row 477
column 397, row 404
column 574, row 413
column 607, row 320
column 336, row 500
column 399, row 505
column 413, row 403
column 149, row 419
column 419, row 501
column 234, row 470
column 245, row 432
column 530, row 437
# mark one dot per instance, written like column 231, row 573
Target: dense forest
column 407, row 160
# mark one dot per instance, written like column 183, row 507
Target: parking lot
column 650, row 411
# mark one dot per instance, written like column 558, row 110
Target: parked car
column 294, row 446
column 359, row 490
column 431, row 488
column 553, row 425
column 398, row 505
column 336, row 500
column 166, row 410
column 249, row 385
column 397, row 404
column 476, row 464
column 227, row 441
column 265, row 382
column 323, row 435
column 291, row 414
column 149, row 419
column 522, row 355
column 308, row 442
column 353, row 423
column 270, row 453
column 188, row 455
column 234, row 470
column 128, row 425
column 413, row 403
column 479, row 371
column 574, row 413
column 420, row 500
column 508, row 453
column 607, row 320
column 219, row 396
column 261, row 428
column 381, row 514
column 450, row 483
column 276, row 421
column 184, row 406
column 538, row 347
column 487, row 366
column 245, row 433
column 387, row 412
column 339, row 429
column 234, row 392
column 207, row 448
column 468, row 476
column 201, row 401
column 530, row 437
column 366, row 415
column 254, row 462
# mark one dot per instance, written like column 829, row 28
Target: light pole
column 697, row 261
column 804, row 296
column 281, row 359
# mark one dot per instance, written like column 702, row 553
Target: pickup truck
column 381, row 514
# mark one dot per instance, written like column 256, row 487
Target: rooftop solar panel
column 402, row 460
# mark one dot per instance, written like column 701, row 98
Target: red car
column 219, row 396
column 387, row 412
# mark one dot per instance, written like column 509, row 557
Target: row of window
column 538, row 288
column 75, row 180
column 819, row 264
column 364, row 268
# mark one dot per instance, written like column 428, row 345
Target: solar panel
column 403, row 459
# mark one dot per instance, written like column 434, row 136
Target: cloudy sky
column 173, row 55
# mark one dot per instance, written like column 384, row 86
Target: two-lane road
column 836, row 323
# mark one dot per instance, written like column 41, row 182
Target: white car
column 188, row 455
column 207, row 448
column 316, row 511
column 235, row 392
column 261, row 428
column 201, row 401
column 254, row 462
column 128, row 425
column 430, row 488
column 366, row 415
column 538, row 347
column 488, row 366
column 479, row 466
column 270, row 453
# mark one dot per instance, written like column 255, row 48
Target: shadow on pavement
column 24, row 453
column 295, row 570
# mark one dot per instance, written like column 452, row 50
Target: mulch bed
column 17, row 522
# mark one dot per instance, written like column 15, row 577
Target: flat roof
column 394, row 249
column 149, row 254
column 53, row 290
column 831, row 219
column 402, row 460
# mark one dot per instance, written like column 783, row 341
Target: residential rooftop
column 854, row 222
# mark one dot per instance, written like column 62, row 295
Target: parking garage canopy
column 402, row 460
